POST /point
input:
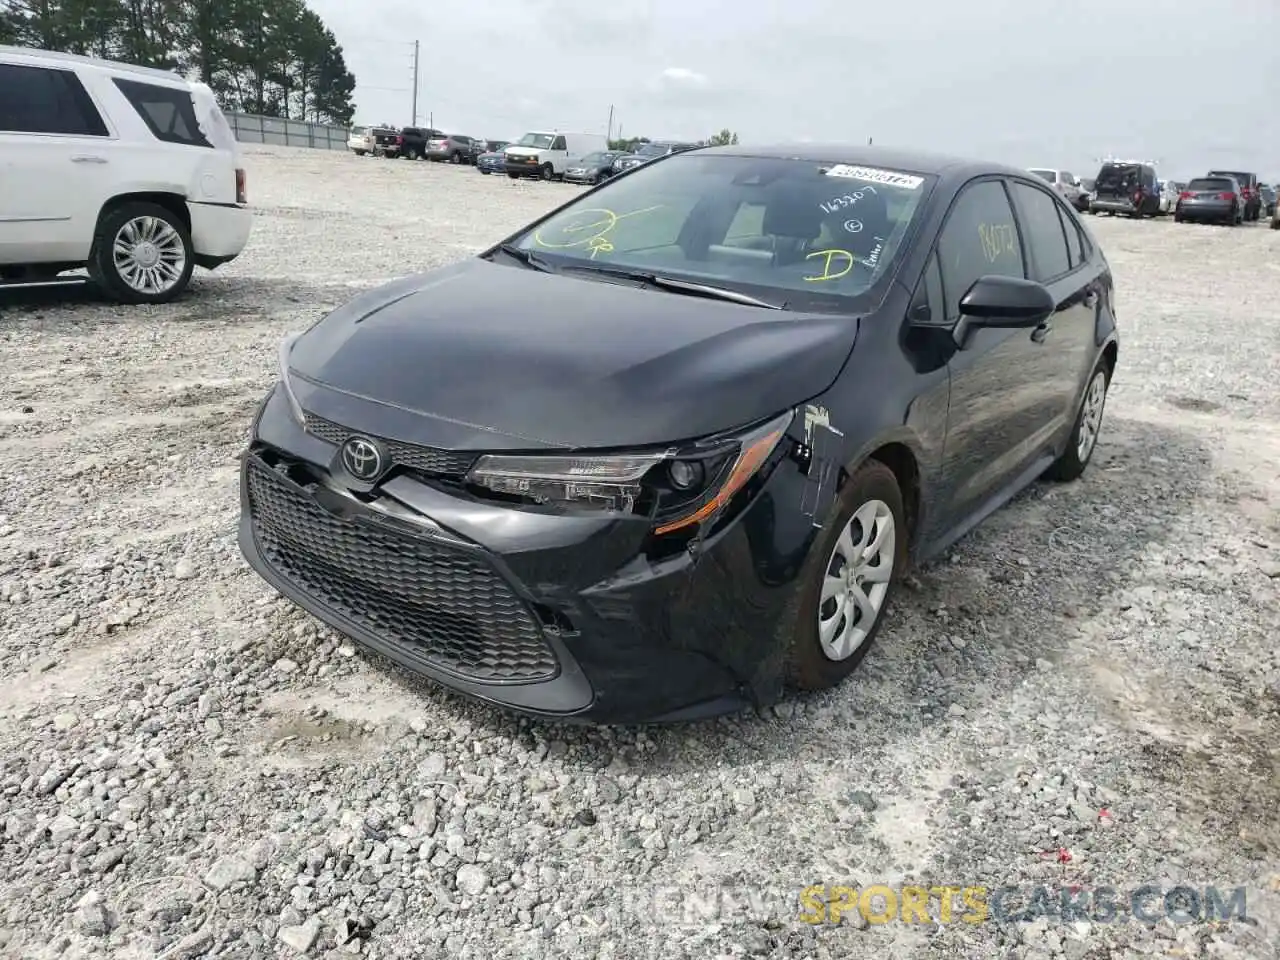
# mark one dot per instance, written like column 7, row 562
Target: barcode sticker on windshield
column 872, row 175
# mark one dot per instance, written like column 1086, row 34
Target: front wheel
column 546, row 171
column 848, row 580
column 1084, row 435
column 141, row 253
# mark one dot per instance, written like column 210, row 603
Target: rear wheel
column 141, row 253
column 848, row 580
column 1084, row 435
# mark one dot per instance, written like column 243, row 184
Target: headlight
column 676, row 488
column 286, row 347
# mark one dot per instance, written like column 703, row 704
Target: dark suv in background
column 413, row 142
column 1248, row 190
column 1124, row 187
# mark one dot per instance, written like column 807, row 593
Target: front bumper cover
column 633, row 641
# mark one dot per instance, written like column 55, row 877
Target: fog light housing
column 685, row 474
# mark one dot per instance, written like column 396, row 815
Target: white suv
column 131, row 172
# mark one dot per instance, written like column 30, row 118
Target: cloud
column 675, row 79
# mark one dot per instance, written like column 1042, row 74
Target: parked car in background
column 650, row 151
column 1268, row 194
column 451, row 148
column 1126, row 187
column 1169, row 192
column 360, row 141
column 686, row 457
column 547, row 155
column 386, row 141
column 1082, row 200
column 1215, row 199
column 491, row 161
column 1248, row 190
column 131, row 172
column 592, row 168
column 1064, row 182
column 414, row 140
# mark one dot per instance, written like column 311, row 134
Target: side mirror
column 1005, row 303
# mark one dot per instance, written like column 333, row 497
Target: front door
column 998, row 379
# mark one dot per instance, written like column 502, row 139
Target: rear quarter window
column 168, row 112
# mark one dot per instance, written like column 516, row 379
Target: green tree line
column 271, row 57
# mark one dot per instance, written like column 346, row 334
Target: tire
column 359, row 153
column 1178, row 218
column 514, row 176
column 871, row 489
column 1071, row 465
column 1275, row 224
column 485, row 172
column 453, row 157
column 546, row 172
column 149, row 223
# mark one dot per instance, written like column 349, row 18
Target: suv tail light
column 399, row 139
column 242, row 188
column 1226, row 196
column 1185, row 195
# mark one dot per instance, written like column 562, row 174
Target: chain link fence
column 250, row 128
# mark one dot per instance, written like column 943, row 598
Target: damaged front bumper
column 562, row 616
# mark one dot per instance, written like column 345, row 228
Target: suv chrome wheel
column 149, row 255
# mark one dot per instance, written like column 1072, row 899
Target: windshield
column 652, row 150
column 358, row 131
column 1050, row 175
column 540, row 140
column 780, row 229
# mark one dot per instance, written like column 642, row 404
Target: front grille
column 437, row 604
column 445, row 463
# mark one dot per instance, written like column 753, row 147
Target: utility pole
column 609, row 133
column 416, row 47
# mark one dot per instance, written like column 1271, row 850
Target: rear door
column 1113, row 183
column 55, row 165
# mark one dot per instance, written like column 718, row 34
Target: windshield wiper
column 686, row 287
column 527, row 257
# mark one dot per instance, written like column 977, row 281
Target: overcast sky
column 1030, row 82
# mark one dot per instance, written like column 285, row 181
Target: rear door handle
column 1042, row 331
column 86, row 158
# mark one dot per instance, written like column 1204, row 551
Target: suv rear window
column 1211, row 183
column 168, row 112
column 1113, row 174
column 1244, row 179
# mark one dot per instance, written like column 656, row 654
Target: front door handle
column 86, row 158
column 1042, row 331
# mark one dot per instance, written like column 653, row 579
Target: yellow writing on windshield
column 583, row 228
column 997, row 239
column 845, row 257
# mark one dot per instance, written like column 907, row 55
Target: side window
column 168, row 112
column 1068, row 176
column 559, row 144
column 1075, row 242
column 40, row 100
column 1042, row 229
column 979, row 239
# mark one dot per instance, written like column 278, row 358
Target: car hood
column 485, row 356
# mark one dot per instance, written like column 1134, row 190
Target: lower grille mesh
column 437, row 604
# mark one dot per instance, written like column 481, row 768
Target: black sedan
column 671, row 448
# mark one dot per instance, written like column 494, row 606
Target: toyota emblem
column 362, row 458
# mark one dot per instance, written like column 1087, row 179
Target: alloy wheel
column 1091, row 416
column 856, row 580
column 149, row 255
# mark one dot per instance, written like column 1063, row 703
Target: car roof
column 944, row 166
column 54, row 56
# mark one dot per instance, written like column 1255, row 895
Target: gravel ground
column 192, row 767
